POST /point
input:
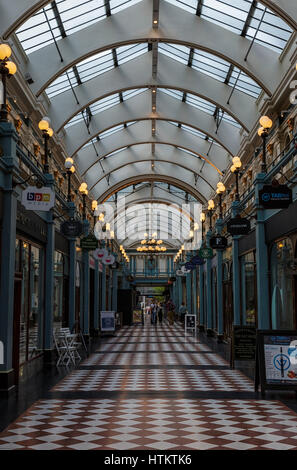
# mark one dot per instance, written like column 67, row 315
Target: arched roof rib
column 139, row 133
column 176, row 26
column 138, row 74
column 115, row 186
column 138, row 160
column 139, row 108
column 166, row 153
column 17, row 12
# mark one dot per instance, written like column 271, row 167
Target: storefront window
column 248, row 289
column 58, row 289
column 282, row 286
column 31, row 326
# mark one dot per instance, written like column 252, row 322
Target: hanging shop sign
column 100, row 254
column 185, row 270
column 243, row 343
column 190, row 266
column 276, row 360
column 218, row 242
column 72, row 228
column 115, row 265
column 275, row 197
column 238, row 226
column 108, row 260
column 205, row 253
column 197, row 260
column 179, row 272
column 38, row 199
column 89, row 243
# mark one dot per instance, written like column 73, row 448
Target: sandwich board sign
column 107, row 321
column 38, row 199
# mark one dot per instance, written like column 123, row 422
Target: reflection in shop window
column 248, row 289
column 58, row 289
column 282, row 285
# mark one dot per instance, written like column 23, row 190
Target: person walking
column 153, row 314
column 160, row 313
column 171, row 312
column 182, row 312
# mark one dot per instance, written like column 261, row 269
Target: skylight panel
column 76, row 16
column 94, row 66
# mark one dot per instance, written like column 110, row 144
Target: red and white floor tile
column 142, row 415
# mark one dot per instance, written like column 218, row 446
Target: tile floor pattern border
column 155, row 380
column 153, row 425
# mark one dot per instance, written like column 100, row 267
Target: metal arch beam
column 139, row 133
column 176, row 26
column 125, row 182
column 141, row 153
column 149, row 159
column 137, row 74
column 138, row 108
column 144, row 169
column 19, row 11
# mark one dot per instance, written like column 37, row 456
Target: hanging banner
column 109, row 259
column 72, row 228
column 275, row 197
column 185, row 270
column 190, row 266
column 100, row 253
column 238, row 226
column 38, row 199
column 218, row 242
column 179, row 272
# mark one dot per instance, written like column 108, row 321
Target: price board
column 243, row 343
column 276, row 360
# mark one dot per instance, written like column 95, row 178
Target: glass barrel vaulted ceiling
column 192, row 98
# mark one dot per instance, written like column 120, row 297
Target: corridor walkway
column 148, row 388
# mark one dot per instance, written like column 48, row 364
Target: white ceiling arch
column 16, row 12
column 138, row 74
column 104, row 152
column 176, row 26
column 136, row 154
column 117, row 186
column 139, row 108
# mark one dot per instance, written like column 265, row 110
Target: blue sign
column 275, row 196
column 197, row 260
column 281, row 362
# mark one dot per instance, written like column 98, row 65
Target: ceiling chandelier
column 151, row 244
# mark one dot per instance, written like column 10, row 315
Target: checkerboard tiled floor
column 142, row 421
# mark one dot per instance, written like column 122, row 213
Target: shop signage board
column 115, row 265
column 276, row 360
column 72, row 228
column 275, row 197
column 185, row 270
column 108, row 259
column 238, row 226
column 38, row 199
column 205, row 253
column 190, row 322
column 197, row 260
column 107, row 321
column 218, row 242
column 179, row 272
column 243, row 343
column 89, row 243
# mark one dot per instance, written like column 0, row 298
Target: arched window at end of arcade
column 283, row 285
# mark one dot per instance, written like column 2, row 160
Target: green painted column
column 49, row 279
column 86, row 287
column 115, row 288
column 220, row 326
column 209, row 317
column 236, row 270
column 96, row 296
column 8, row 170
column 202, row 316
column 72, row 271
column 189, row 286
column 261, row 260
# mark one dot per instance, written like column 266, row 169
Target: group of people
column 159, row 310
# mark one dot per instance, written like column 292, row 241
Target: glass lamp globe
column 266, row 122
column 202, row 217
column 44, row 125
column 260, row 131
column 11, row 67
column 72, row 169
column 5, row 51
column 68, row 163
column 94, row 205
column 50, row 132
column 210, row 205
